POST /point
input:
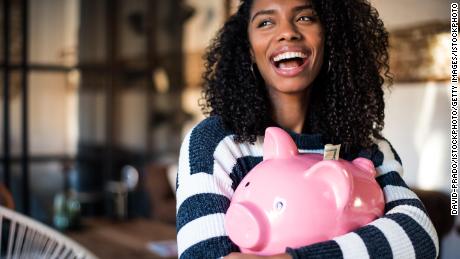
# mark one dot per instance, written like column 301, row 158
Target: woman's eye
column 305, row 18
column 264, row 23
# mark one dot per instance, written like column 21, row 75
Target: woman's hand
column 249, row 256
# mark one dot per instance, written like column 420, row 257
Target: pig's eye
column 247, row 184
column 279, row 204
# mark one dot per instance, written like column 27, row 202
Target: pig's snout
column 247, row 226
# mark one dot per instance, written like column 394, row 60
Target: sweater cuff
column 328, row 249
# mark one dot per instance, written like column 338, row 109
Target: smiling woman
column 315, row 68
column 287, row 45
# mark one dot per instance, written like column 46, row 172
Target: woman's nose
column 288, row 32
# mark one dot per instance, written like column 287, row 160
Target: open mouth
column 289, row 60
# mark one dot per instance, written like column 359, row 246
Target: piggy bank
column 292, row 200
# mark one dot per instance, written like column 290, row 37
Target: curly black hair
column 346, row 104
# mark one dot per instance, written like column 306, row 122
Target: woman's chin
column 291, row 88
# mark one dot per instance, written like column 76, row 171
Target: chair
column 24, row 237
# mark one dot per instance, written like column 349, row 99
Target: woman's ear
column 251, row 53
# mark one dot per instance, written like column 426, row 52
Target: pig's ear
column 278, row 144
column 331, row 181
column 366, row 165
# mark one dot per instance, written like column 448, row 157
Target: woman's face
column 287, row 43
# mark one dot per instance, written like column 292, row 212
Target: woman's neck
column 289, row 110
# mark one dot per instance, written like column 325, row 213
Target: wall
column 417, row 124
column 402, row 13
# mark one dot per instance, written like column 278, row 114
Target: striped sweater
column 212, row 164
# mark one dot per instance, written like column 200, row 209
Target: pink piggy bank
column 293, row 200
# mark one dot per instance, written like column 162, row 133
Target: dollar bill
column 331, row 152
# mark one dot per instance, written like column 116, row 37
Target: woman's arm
column 204, row 189
column 404, row 231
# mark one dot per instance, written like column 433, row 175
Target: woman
column 315, row 68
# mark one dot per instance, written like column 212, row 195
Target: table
column 108, row 238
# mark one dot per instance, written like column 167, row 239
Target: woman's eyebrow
column 262, row 12
column 272, row 11
column 302, row 8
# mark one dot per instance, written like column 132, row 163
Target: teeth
column 289, row 55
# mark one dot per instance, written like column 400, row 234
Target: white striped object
column 28, row 238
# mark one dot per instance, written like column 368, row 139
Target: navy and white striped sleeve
column 204, row 190
column 404, row 231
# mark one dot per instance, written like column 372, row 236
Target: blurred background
column 97, row 94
